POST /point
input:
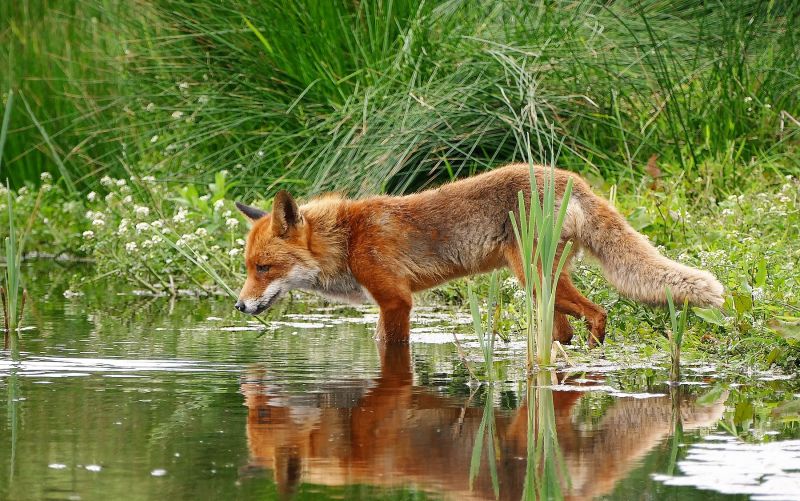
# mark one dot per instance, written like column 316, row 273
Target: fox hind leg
column 569, row 301
column 562, row 329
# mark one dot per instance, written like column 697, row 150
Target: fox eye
column 262, row 268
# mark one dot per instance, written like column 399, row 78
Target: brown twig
column 22, row 308
column 4, row 300
column 463, row 357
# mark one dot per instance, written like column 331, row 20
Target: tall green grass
column 393, row 95
column 66, row 57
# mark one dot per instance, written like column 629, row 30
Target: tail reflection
column 392, row 433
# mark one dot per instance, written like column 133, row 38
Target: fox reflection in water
column 391, row 433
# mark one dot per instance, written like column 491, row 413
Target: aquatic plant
column 486, row 336
column 538, row 234
column 10, row 293
column 678, row 321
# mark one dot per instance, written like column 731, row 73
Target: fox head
column 277, row 254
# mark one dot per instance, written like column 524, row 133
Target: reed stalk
column 486, row 337
column 538, row 234
column 678, row 321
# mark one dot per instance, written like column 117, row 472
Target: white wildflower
column 231, row 222
column 46, row 177
column 148, row 179
column 154, row 138
column 180, row 217
column 205, row 198
column 98, row 222
column 141, row 211
column 727, row 212
column 219, row 204
column 234, row 252
column 177, row 115
column 151, row 107
column 106, row 181
column 120, row 182
column 747, row 99
column 202, row 99
column 140, row 227
column 157, row 239
column 157, row 224
column 758, row 293
column 260, row 153
column 88, row 234
column 92, row 196
column 128, row 199
column 201, row 232
column 240, row 241
column 215, row 248
column 183, row 85
column 109, row 197
column 131, row 246
column 227, row 214
column 123, row 226
column 46, row 187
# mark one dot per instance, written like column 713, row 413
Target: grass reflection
column 487, row 434
column 546, row 475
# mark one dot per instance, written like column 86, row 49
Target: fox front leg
column 394, row 319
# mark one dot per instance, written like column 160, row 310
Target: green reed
column 678, row 321
column 486, row 336
column 10, row 291
column 538, row 234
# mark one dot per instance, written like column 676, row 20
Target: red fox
column 385, row 248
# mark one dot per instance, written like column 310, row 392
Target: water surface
column 123, row 397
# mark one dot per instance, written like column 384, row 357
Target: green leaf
column 640, row 219
column 710, row 315
column 788, row 410
column 742, row 302
column 787, row 330
column 761, row 274
column 712, row 396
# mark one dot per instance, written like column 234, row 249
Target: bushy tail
column 634, row 266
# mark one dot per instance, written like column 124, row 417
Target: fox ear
column 250, row 213
column 285, row 213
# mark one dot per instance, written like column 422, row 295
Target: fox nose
column 240, row 305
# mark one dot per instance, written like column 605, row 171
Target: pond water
column 121, row 397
